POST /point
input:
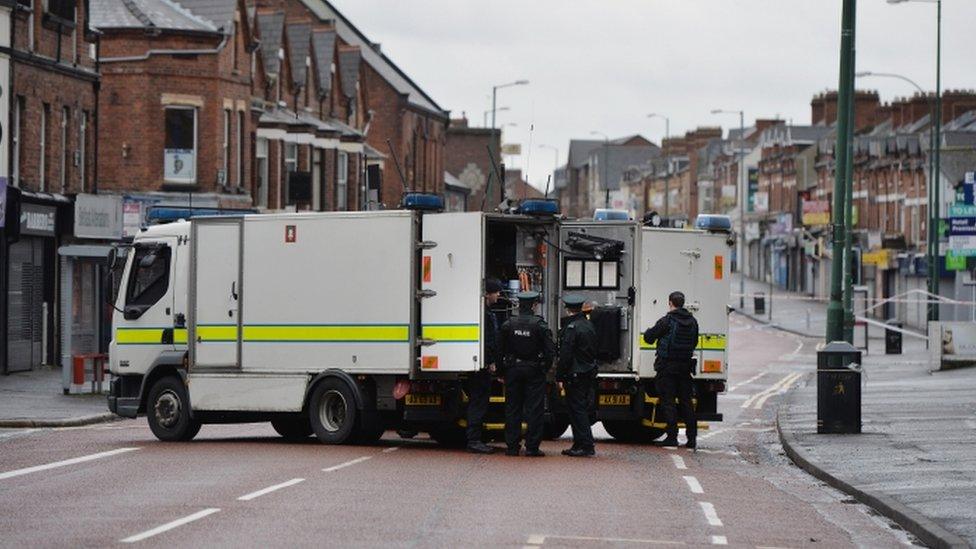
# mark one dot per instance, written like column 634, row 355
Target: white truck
column 347, row 324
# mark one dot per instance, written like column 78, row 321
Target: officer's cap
column 574, row 301
column 527, row 298
column 493, row 286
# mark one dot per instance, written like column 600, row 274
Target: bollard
column 893, row 338
column 759, row 303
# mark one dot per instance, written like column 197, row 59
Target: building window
column 15, row 133
column 239, row 176
column 61, row 9
column 82, row 151
column 42, row 161
column 342, row 180
column 291, row 157
column 261, row 165
column 65, row 115
column 222, row 178
column 180, row 152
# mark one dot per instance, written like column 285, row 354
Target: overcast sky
column 604, row 65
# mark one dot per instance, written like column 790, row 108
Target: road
column 241, row 486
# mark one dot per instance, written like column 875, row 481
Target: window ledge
column 55, row 23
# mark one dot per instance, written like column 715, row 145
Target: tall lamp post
column 667, row 178
column 606, row 160
column 740, row 152
column 491, row 142
column 936, row 173
column 485, row 116
column 555, row 158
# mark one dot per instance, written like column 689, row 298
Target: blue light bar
column 603, row 214
column 425, row 202
column 167, row 214
column 538, row 206
column 715, row 223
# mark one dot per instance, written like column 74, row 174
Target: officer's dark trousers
column 525, row 388
column 669, row 386
column 579, row 400
column 479, row 391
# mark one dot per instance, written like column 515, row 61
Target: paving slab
column 36, row 399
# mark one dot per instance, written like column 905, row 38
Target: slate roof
column 220, row 13
column 580, row 149
column 619, row 158
column 349, row 60
column 270, row 26
column 376, row 59
column 138, row 14
column 298, row 49
column 323, row 49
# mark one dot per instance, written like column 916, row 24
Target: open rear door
column 451, row 315
column 215, row 293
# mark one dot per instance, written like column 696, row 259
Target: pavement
column 36, row 399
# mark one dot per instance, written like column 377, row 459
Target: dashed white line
column 269, row 489
column 536, row 540
column 170, row 525
column 346, row 464
column 720, row 540
column 679, row 462
column 64, row 463
column 391, row 449
column 747, row 382
column 710, row 515
column 694, row 485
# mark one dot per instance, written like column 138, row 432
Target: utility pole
column 835, row 309
column 742, row 174
column 848, row 292
column 934, row 267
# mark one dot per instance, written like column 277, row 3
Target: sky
column 603, row 66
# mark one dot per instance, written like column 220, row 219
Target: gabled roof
column 146, row 14
column 349, row 60
column 374, row 58
column 298, row 49
column 619, row 158
column 220, row 13
column 270, row 27
column 323, row 49
column 579, row 151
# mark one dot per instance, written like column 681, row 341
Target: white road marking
column 346, row 464
column 720, row 540
column 794, row 352
column 269, row 489
column 711, row 434
column 17, row 433
column 391, row 449
column 786, row 387
column 694, row 485
column 170, row 525
column 747, row 382
column 679, row 462
column 710, row 513
column 776, row 387
column 56, row 464
column 537, row 540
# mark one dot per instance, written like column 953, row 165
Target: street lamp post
column 494, row 110
column 740, row 152
column 667, row 176
column 606, row 160
column 485, row 116
column 935, row 173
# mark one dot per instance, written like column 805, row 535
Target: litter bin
column 839, row 389
column 759, row 303
column 893, row 338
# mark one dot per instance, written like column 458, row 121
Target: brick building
column 466, row 159
column 671, row 185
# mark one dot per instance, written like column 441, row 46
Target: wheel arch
column 357, row 391
column 170, row 363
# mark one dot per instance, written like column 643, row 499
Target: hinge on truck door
column 425, row 293
column 426, row 245
column 426, row 342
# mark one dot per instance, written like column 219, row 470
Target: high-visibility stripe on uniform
column 452, row 333
column 706, row 342
column 327, row 333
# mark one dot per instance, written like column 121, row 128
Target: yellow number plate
column 614, row 400
column 423, row 400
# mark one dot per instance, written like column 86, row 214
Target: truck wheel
column 168, row 411
column 449, row 435
column 631, row 431
column 332, row 412
column 554, row 429
column 293, row 429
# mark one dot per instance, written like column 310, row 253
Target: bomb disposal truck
column 347, row 324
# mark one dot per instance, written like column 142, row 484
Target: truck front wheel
column 332, row 411
column 632, row 431
column 168, row 411
column 292, row 429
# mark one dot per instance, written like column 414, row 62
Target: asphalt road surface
column 242, row 486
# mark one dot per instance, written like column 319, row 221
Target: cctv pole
column 835, row 309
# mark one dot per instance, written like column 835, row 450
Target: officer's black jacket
column 526, row 337
column 491, row 337
column 660, row 329
column 577, row 347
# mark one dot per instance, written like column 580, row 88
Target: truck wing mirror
column 133, row 312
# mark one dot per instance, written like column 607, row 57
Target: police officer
column 527, row 350
column 479, row 383
column 676, row 334
column 576, row 373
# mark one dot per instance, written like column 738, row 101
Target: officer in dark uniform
column 576, row 373
column 527, row 351
column 479, row 383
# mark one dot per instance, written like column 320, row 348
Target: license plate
column 614, row 400
column 423, row 400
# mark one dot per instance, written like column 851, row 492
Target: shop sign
column 963, row 245
column 752, row 230
column 879, row 258
column 816, row 212
column 962, row 226
column 98, row 216
column 955, row 262
column 782, row 225
column 761, row 202
column 37, row 220
column 753, row 190
column 962, row 210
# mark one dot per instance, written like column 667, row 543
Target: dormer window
column 61, row 11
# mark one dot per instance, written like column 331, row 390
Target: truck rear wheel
column 332, row 412
column 632, row 431
column 297, row 428
column 168, row 411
